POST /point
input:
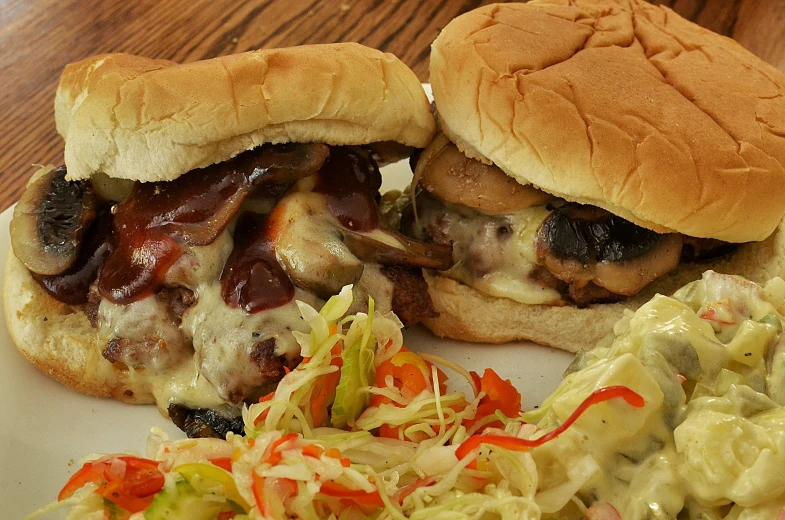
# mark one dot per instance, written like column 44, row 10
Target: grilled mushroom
column 309, row 246
column 582, row 244
column 391, row 248
column 205, row 422
column 445, row 172
column 50, row 221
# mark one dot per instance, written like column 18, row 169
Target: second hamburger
column 590, row 155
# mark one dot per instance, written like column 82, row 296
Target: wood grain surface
column 38, row 37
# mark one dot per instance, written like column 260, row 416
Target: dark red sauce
column 194, row 208
column 350, row 179
column 73, row 285
column 252, row 279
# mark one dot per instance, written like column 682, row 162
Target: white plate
column 46, row 428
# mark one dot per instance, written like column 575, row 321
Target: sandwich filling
column 517, row 242
column 191, row 284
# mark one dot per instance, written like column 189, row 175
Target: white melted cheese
column 493, row 254
column 224, row 337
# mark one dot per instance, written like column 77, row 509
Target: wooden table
column 37, row 38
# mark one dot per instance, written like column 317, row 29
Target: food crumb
column 345, row 7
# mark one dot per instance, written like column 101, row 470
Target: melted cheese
column 493, row 254
column 224, row 337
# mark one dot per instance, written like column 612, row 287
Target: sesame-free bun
column 619, row 104
column 150, row 120
column 470, row 315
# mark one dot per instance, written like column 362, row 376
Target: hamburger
column 197, row 204
column 590, row 154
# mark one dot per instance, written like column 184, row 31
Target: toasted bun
column 469, row 315
column 59, row 340
column 622, row 105
column 150, row 120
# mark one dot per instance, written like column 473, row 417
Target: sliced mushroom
column 321, row 255
column 445, row 172
column 205, row 422
column 197, row 206
column 50, row 221
column 391, row 248
column 309, row 246
column 584, row 244
column 72, row 286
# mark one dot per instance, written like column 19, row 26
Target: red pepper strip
column 262, row 416
column 133, row 492
column 515, row 444
column 359, row 496
column 477, row 381
column 499, row 395
column 402, row 493
column 114, row 492
column 325, row 389
column 257, row 486
column 226, row 515
column 275, row 457
column 224, row 463
column 313, row 450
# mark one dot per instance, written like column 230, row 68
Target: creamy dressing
column 711, row 436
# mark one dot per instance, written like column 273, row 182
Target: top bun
column 622, row 105
column 151, row 120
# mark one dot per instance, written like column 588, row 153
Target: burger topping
column 493, row 254
column 156, row 217
column 73, row 285
column 350, row 179
column 50, row 220
column 514, row 241
column 309, row 245
column 197, row 304
column 580, row 244
column 252, row 278
column 448, row 174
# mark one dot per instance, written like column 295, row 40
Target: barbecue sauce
column 156, row 217
column 350, row 180
column 252, row 278
column 147, row 221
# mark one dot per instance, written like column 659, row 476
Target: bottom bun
column 469, row 315
column 59, row 340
